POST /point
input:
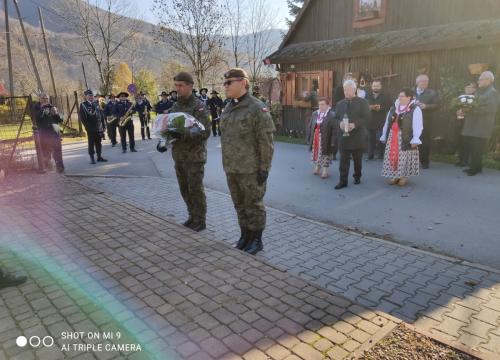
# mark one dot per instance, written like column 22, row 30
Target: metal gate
column 19, row 148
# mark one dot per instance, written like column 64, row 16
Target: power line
column 80, row 38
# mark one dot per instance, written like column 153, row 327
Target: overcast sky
column 279, row 6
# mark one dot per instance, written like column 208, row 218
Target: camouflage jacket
column 247, row 136
column 186, row 149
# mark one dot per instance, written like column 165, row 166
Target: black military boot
column 92, row 160
column 7, row 280
column 198, row 225
column 256, row 244
column 100, row 158
column 148, row 133
column 244, row 238
column 188, row 222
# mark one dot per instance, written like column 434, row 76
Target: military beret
column 184, row 76
column 236, row 73
column 88, row 92
column 213, row 92
column 123, row 93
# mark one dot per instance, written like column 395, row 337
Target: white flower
column 463, row 100
column 469, row 101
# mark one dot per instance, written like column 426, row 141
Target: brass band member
column 91, row 119
column 143, row 107
column 123, row 110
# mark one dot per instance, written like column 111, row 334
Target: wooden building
column 394, row 40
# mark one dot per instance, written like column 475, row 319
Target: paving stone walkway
column 106, row 277
column 451, row 298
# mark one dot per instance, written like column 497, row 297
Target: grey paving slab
column 101, row 265
column 405, row 282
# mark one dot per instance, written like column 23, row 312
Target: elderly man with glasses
column 480, row 122
column 247, row 151
column 47, row 122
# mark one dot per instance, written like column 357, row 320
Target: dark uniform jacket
column 215, row 104
column 358, row 113
column 247, row 136
column 91, row 118
column 192, row 149
column 44, row 119
column 108, row 109
column 377, row 120
column 142, row 107
column 121, row 107
column 162, row 106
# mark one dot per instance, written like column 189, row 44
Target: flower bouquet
column 170, row 127
column 464, row 103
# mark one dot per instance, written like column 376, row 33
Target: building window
column 307, row 84
column 369, row 13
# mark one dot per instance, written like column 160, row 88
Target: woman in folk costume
column 402, row 130
column 321, row 146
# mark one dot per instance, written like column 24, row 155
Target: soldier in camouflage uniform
column 247, row 150
column 190, row 153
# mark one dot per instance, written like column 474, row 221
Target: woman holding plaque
column 319, row 142
column 402, row 130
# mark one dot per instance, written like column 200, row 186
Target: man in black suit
column 92, row 120
column 379, row 103
column 428, row 101
column 352, row 113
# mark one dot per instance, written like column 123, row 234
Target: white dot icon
column 21, row 341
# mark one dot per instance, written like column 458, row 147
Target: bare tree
column 234, row 20
column 104, row 29
column 259, row 42
column 194, row 30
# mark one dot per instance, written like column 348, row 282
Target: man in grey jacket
column 480, row 121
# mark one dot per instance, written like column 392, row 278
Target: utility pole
column 35, row 69
column 9, row 55
column 85, row 76
column 47, row 53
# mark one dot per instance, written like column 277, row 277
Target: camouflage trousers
column 190, row 179
column 248, row 201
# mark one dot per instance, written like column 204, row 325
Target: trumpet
column 125, row 119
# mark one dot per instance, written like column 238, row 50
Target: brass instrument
column 111, row 120
column 125, row 119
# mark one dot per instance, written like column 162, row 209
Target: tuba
column 125, row 119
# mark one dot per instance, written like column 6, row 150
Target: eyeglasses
column 229, row 82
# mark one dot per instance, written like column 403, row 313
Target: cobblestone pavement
column 99, row 265
column 456, row 300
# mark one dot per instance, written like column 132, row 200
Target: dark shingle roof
column 437, row 37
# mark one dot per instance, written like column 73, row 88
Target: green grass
column 290, row 140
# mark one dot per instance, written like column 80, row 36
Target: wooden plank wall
column 330, row 19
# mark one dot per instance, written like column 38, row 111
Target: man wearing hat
column 143, row 107
column 92, row 120
column 164, row 104
column 173, row 96
column 110, row 125
column 247, row 151
column 120, row 109
column 215, row 104
column 190, row 153
column 203, row 95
